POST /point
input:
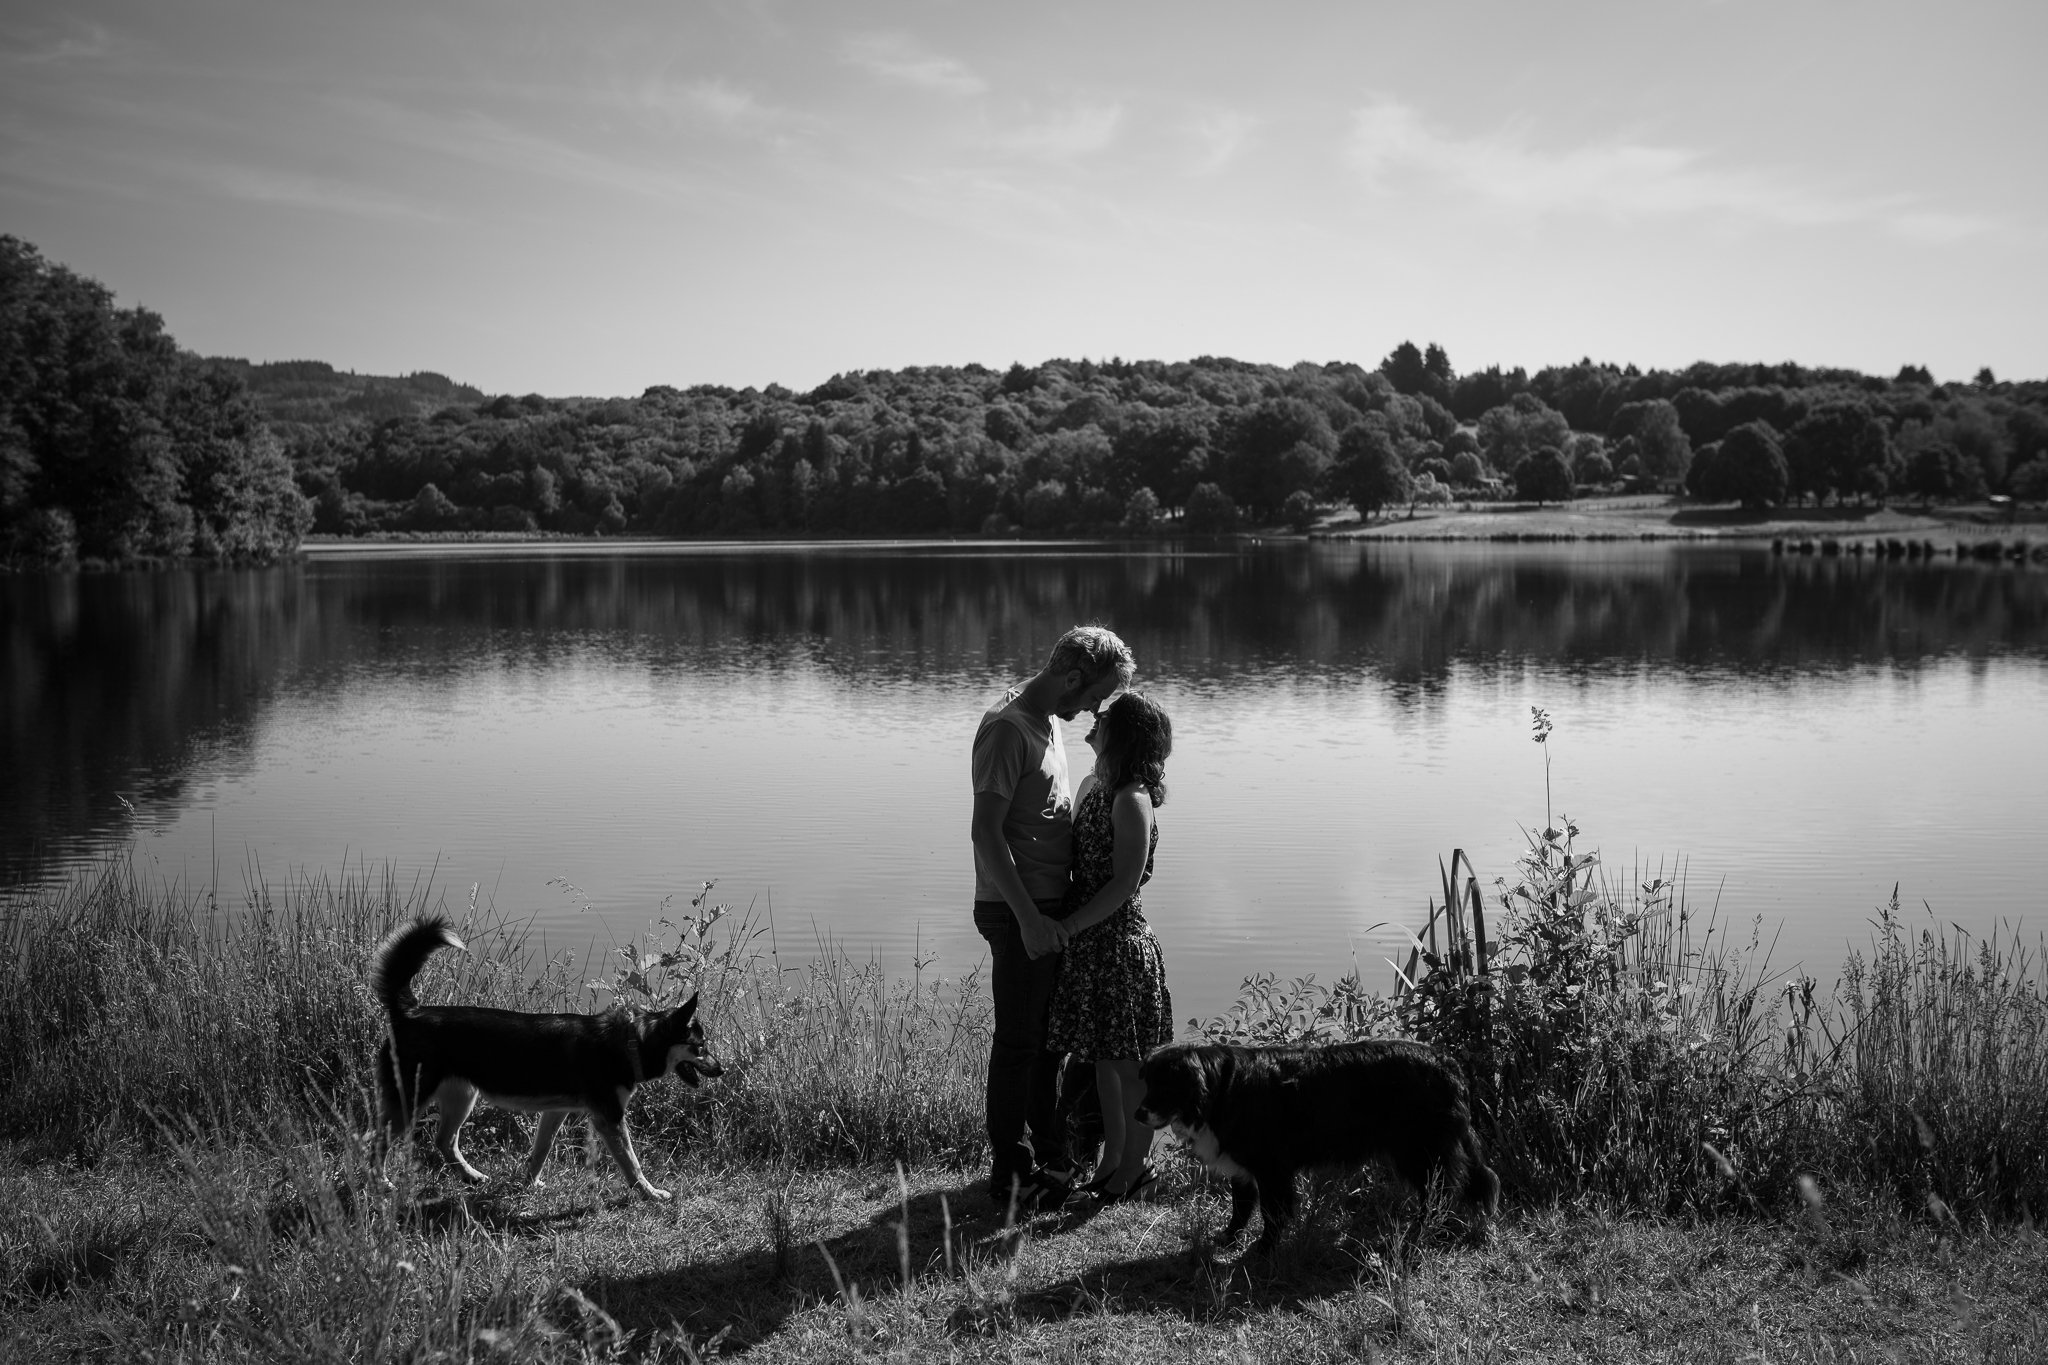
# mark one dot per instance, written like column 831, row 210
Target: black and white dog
column 1259, row 1114
column 550, row 1064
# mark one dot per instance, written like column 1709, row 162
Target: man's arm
column 1130, row 818
column 1041, row 933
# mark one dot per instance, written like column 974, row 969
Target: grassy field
column 1657, row 517
column 1703, row 1162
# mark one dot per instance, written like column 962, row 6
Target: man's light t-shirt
column 1022, row 757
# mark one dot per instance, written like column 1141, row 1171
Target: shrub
column 1299, row 510
column 1209, row 509
column 1141, row 510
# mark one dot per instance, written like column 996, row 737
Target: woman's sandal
column 1139, row 1188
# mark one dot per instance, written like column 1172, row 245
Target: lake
column 582, row 731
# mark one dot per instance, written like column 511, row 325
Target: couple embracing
column 1075, row 969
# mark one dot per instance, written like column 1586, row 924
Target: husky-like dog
column 1259, row 1114
column 550, row 1064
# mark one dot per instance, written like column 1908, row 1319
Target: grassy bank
column 1702, row 1161
column 1661, row 517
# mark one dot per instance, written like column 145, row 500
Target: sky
column 572, row 198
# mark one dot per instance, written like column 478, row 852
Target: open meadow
column 1700, row 1164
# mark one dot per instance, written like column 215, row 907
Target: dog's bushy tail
column 400, row 957
column 1482, row 1186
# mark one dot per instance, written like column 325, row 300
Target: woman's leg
column 1108, row 1086
column 1137, row 1137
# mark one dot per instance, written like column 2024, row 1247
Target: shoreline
column 1589, row 520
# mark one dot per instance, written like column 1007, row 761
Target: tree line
column 115, row 444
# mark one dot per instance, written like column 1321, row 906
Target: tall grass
column 124, row 1004
column 1617, row 1042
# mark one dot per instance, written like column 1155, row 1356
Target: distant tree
column 432, row 510
column 1483, row 390
column 1661, row 445
column 2028, row 430
column 1141, row 510
column 1406, row 368
column 1830, row 448
column 1166, row 450
column 1428, row 491
column 1273, row 448
column 1519, row 428
column 1045, row 506
column 2030, row 480
column 1985, row 379
column 1370, row 473
column 1299, row 510
column 1004, row 424
column 1592, row 469
column 1209, row 510
column 1467, row 469
column 1939, row 473
column 1914, row 374
column 1544, row 477
column 1748, row 465
column 1438, row 363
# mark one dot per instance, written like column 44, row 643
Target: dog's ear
column 689, row 1008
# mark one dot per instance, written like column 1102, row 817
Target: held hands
column 1042, row 934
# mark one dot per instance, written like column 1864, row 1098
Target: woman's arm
column 1130, row 817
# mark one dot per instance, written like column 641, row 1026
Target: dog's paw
column 659, row 1196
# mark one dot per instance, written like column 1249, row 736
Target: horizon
column 764, row 193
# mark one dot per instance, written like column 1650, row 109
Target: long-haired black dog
column 1260, row 1114
column 550, row 1064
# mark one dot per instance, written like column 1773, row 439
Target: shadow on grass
column 750, row 1296
column 1791, row 516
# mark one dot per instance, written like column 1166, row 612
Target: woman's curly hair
column 1137, row 739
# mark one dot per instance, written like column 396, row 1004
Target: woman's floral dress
column 1111, row 1001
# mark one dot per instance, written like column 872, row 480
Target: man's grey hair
column 1093, row 651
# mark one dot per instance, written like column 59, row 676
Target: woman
column 1111, row 1005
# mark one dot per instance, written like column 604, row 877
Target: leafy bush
column 1616, row 1046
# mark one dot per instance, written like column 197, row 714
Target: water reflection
column 117, row 687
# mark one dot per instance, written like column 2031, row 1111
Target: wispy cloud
column 258, row 186
column 485, row 141
column 732, row 109
column 1618, row 179
column 904, row 60
column 1941, row 228
column 85, row 42
column 1218, row 135
column 1075, row 132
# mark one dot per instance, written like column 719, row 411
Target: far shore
column 1639, row 517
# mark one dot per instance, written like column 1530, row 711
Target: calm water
column 794, row 722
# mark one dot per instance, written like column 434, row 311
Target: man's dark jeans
column 1023, row 1078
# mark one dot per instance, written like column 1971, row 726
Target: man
column 1023, row 836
